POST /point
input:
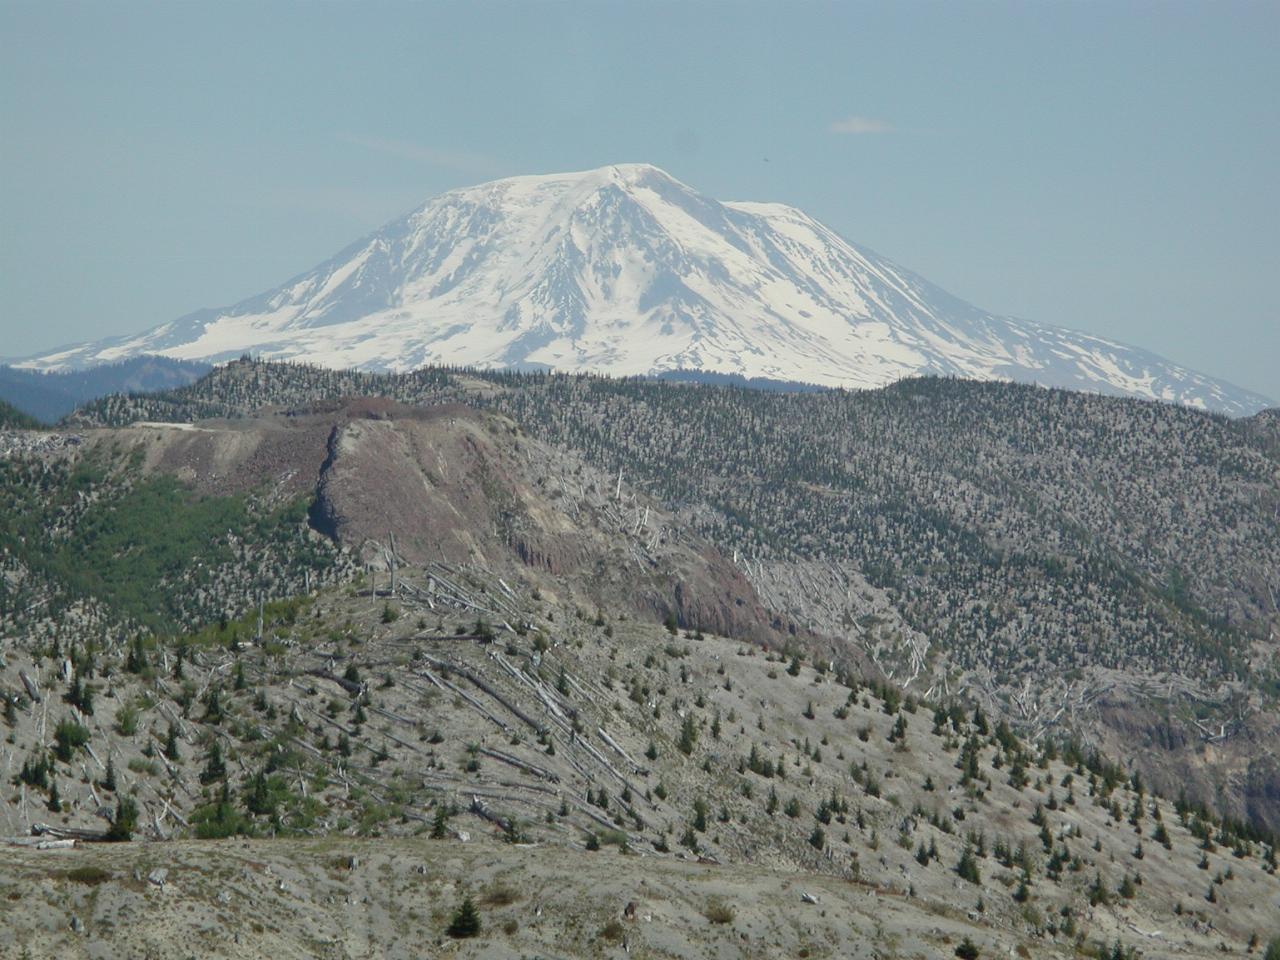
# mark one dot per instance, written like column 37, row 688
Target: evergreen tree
column 465, row 922
column 136, row 662
column 1161, row 836
column 700, row 815
column 1098, row 893
column 439, row 825
column 171, row 744
column 75, row 692
column 215, row 768
column 258, row 799
column 125, row 821
column 108, row 781
column 213, row 706
column 688, row 735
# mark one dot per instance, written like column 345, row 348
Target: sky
column 1109, row 167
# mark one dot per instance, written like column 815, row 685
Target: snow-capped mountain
column 625, row 270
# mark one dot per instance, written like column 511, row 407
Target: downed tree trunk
column 617, row 749
column 506, row 758
column 36, row 843
column 444, row 684
column 68, row 833
column 350, row 686
column 484, row 813
column 33, row 689
column 486, row 688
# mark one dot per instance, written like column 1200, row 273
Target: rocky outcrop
column 447, row 483
column 459, row 486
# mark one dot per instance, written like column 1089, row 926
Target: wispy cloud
column 434, row 156
column 859, row 125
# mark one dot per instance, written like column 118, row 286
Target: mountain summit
column 626, row 270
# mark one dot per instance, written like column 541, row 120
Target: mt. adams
column 625, row 270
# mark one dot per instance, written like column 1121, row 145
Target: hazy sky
column 1104, row 166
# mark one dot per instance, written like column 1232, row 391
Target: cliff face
column 1232, row 767
column 449, row 484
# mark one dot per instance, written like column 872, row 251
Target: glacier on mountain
column 625, row 270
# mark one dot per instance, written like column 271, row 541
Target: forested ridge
column 1020, row 527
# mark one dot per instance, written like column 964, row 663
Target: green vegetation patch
column 151, row 549
column 157, row 530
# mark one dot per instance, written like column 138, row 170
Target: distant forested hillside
column 51, row 396
column 14, row 419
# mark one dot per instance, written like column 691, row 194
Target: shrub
column 69, row 737
column 500, row 895
column 148, row 767
column 219, row 819
column 718, row 911
column 90, row 876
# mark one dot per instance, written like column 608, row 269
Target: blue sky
column 1107, row 167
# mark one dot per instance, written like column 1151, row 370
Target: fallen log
column 484, row 813
column 453, row 688
column 506, row 758
column 617, row 749
column 68, row 833
column 33, row 689
column 351, row 686
column 486, row 688
column 37, row 843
